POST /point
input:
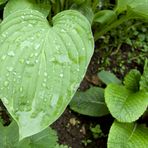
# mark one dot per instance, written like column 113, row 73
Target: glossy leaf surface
column 127, row 135
column 42, row 65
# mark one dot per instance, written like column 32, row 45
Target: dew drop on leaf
column 3, row 57
column 6, row 83
column 11, row 53
column 61, row 75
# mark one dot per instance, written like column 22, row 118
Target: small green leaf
column 108, row 77
column 91, row 102
column 124, row 104
column 105, row 17
column 127, row 135
column 144, row 78
column 131, row 80
column 41, row 65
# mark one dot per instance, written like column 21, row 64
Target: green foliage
column 91, row 102
column 96, row 131
column 126, row 103
column 41, row 65
column 131, row 81
column 108, row 77
column 128, row 135
column 9, row 137
column 144, row 78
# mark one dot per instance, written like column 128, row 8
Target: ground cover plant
column 46, row 46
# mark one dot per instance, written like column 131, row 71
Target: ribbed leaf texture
column 126, row 103
column 127, row 135
column 41, row 65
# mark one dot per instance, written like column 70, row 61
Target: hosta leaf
column 144, row 78
column 124, row 104
column 41, row 65
column 127, row 135
column 131, row 80
column 135, row 8
column 90, row 102
column 138, row 9
column 16, row 5
column 108, row 77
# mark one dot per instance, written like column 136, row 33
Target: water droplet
column 78, row 69
column 30, row 25
column 61, row 75
column 27, row 62
column 45, row 74
column 3, row 57
column 21, row 61
column 31, row 55
column 36, row 61
column 44, row 85
column 10, row 69
column 11, row 53
column 45, row 80
column 62, row 30
column 83, row 48
column 36, row 46
column 22, row 17
column 36, row 54
column 21, row 89
column 6, row 83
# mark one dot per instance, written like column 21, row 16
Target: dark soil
column 73, row 133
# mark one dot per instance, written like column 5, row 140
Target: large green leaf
column 90, row 102
column 9, row 137
column 15, row 5
column 135, row 8
column 41, row 65
column 127, row 135
column 124, row 104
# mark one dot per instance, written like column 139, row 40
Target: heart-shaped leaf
column 127, row 135
column 124, row 104
column 42, row 65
